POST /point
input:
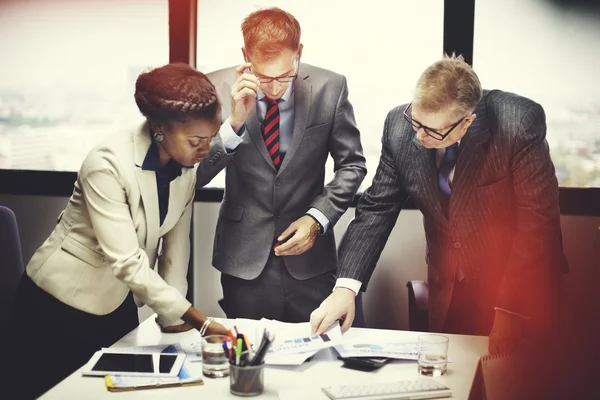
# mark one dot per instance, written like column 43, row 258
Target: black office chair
column 418, row 306
column 11, row 262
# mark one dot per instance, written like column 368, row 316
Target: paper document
column 293, row 343
column 297, row 338
column 397, row 350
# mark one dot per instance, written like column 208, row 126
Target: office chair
column 418, row 306
column 11, row 262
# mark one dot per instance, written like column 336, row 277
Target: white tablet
column 134, row 364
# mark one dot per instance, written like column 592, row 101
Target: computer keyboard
column 418, row 388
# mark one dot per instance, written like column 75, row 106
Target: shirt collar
column 152, row 162
column 152, row 159
column 286, row 95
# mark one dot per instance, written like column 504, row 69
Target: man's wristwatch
column 320, row 227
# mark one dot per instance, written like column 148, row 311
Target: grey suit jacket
column 260, row 201
column 503, row 228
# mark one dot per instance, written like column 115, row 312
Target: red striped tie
column 270, row 131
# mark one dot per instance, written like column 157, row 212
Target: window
column 548, row 52
column 68, row 72
column 381, row 48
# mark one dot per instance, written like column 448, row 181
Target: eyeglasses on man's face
column 434, row 133
column 280, row 79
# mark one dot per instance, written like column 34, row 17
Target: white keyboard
column 418, row 388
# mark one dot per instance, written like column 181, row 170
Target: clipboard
column 120, row 383
column 117, row 383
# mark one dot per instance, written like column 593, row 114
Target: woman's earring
column 158, row 136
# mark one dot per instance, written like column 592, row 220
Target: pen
column 244, row 358
column 231, row 334
column 262, row 351
column 238, row 351
column 225, row 350
column 248, row 345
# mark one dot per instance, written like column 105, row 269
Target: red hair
column 269, row 31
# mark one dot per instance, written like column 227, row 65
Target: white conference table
column 305, row 380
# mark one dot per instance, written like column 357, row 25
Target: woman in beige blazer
column 130, row 210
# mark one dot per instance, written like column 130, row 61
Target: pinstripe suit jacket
column 503, row 228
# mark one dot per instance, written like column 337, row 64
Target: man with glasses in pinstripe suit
column 477, row 165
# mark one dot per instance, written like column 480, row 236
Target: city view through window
column 69, row 67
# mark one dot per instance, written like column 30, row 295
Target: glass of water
column 214, row 362
column 433, row 355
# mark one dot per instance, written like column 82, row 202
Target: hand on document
column 339, row 305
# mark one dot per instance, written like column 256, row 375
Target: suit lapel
column 256, row 135
column 469, row 162
column 178, row 196
column 302, row 97
column 424, row 160
column 147, row 184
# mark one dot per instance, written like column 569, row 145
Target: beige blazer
column 108, row 238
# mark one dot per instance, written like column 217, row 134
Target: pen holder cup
column 246, row 381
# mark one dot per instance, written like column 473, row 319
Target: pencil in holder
column 246, row 380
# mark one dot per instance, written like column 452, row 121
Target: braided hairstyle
column 175, row 93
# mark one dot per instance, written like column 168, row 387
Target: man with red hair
column 274, row 239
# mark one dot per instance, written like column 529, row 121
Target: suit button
column 457, row 245
column 278, row 182
column 211, row 161
column 278, row 216
column 218, row 154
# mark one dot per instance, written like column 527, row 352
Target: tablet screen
column 116, row 362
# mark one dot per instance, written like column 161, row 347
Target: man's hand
column 304, row 232
column 339, row 305
column 506, row 334
column 243, row 96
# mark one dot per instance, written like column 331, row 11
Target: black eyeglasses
column 281, row 79
column 434, row 133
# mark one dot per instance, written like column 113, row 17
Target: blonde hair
column 269, row 31
column 449, row 83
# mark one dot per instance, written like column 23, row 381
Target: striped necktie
column 448, row 163
column 270, row 131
